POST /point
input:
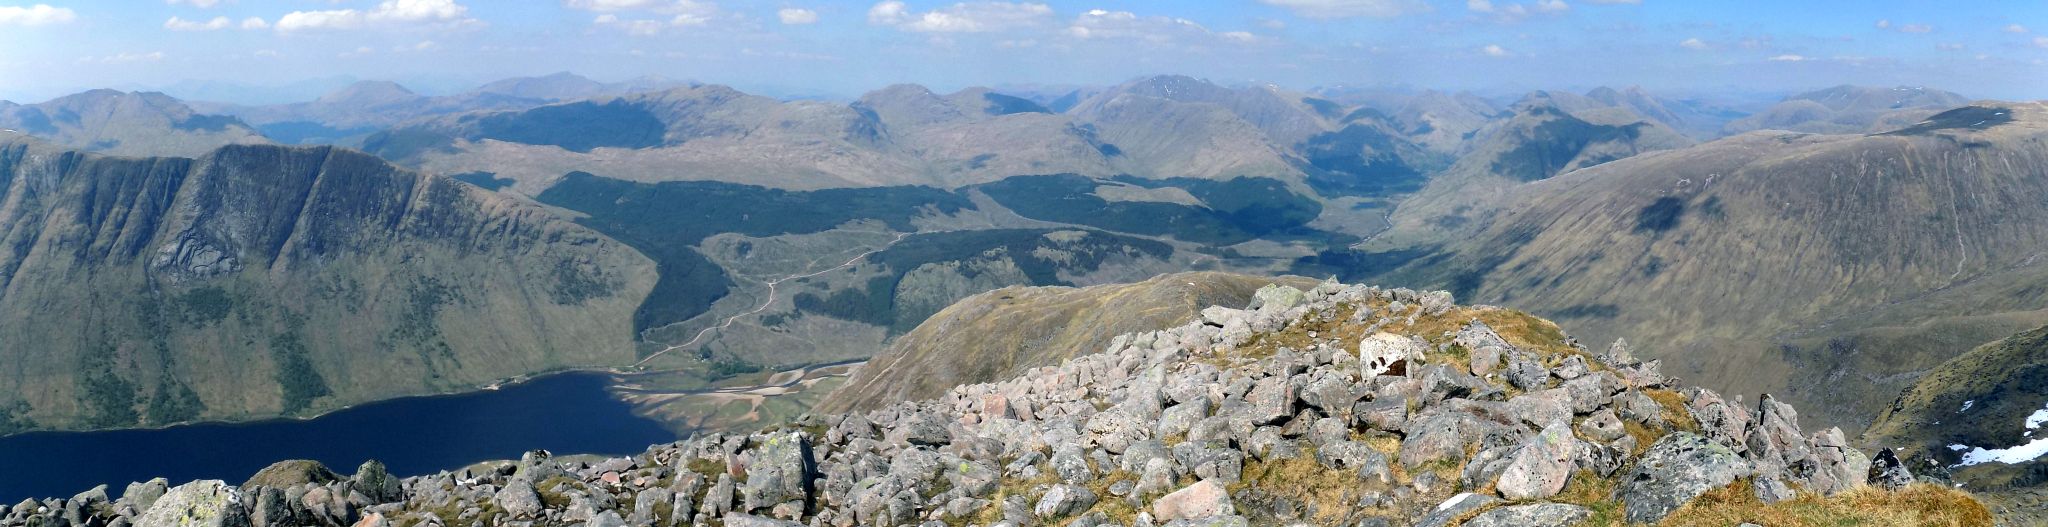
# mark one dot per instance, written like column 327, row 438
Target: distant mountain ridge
column 364, row 107
column 1153, row 127
column 122, row 123
column 1850, row 109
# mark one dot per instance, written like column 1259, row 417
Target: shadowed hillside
column 259, row 281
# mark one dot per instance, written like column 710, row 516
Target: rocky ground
column 1341, row 405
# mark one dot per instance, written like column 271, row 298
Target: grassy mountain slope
column 1736, row 259
column 1981, row 399
column 1003, row 333
column 258, row 281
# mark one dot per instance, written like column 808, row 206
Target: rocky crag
column 1341, row 405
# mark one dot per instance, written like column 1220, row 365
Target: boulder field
column 1340, row 405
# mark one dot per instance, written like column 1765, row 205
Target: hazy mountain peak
column 1848, row 97
column 909, row 105
column 1175, row 87
column 553, row 87
column 125, row 123
column 369, row 92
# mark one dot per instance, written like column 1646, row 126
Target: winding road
column 770, row 300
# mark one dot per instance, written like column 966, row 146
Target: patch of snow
column 1958, row 448
column 2040, row 416
column 1454, row 501
column 2019, row 454
column 1967, row 405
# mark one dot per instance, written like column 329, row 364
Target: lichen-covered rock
column 1676, row 469
column 144, row 494
column 1276, row 298
column 780, row 472
column 1453, row 508
column 1531, row 515
column 1064, row 500
column 1203, row 499
column 1603, row 426
column 1541, row 466
column 749, row 520
column 1439, row 434
column 209, row 503
column 1272, row 400
column 291, row 473
column 518, row 499
column 376, row 483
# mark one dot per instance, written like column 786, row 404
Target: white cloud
column 887, row 13
column 976, row 17
column 360, row 51
column 386, row 13
column 254, row 23
column 180, row 24
column 1788, row 58
column 670, row 14
column 202, row 4
column 703, row 8
column 125, row 57
column 2016, row 28
column 1494, row 50
column 1949, row 46
column 1349, row 8
column 1617, row 2
column 35, row 15
column 1101, row 24
column 267, row 53
column 2041, row 42
column 1916, row 28
column 795, row 16
column 1884, row 23
column 1512, row 12
column 611, row 5
column 1693, row 44
column 648, row 27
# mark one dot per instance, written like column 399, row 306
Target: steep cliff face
column 258, row 281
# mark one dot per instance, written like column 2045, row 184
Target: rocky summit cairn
column 1341, row 405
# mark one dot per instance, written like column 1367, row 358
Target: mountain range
column 165, row 262
column 1611, row 209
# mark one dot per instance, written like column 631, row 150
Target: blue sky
column 842, row 48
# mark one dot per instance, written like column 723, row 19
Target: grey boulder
column 1676, row 469
column 1531, row 515
column 208, row 503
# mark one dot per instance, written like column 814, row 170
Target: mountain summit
column 1340, row 405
